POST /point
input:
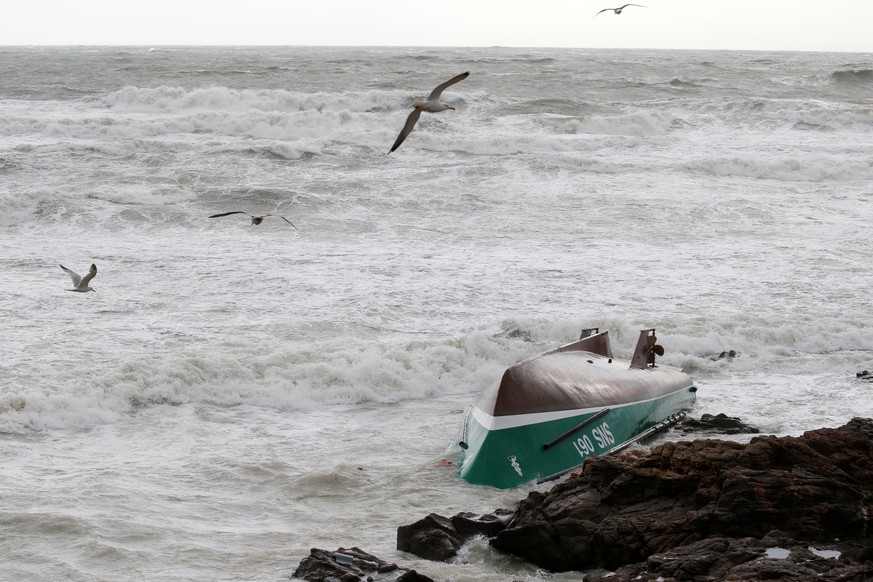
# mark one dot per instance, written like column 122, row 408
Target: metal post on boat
column 589, row 331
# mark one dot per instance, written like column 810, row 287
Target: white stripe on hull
column 490, row 422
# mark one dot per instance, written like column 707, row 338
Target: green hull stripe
column 514, row 455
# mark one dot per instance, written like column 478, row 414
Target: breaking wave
column 179, row 100
column 298, row 377
column 822, row 169
column 853, row 77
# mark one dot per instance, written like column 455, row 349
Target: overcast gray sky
column 802, row 25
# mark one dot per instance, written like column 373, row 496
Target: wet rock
column 718, row 424
column 439, row 538
column 432, row 538
column 725, row 355
column 352, row 565
column 413, row 576
column 739, row 560
column 476, row 524
column 699, row 510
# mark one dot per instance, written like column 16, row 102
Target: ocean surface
column 234, row 395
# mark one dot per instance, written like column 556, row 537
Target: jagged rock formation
column 777, row 508
column 352, row 565
column 624, row 509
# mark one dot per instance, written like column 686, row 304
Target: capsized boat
column 550, row 412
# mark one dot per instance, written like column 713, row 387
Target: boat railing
column 644, row 436
column 575, row 429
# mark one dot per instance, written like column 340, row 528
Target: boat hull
column 610, row 407
column 511, row 456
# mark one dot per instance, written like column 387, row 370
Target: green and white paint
column 507, row 451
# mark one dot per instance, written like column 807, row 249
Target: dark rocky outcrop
column 864, row 375
column 776, row 557
column 683, row 508
column 778, row 508
column 432, row 538
column 439, row 538
column 352, row 565
column 718, row 424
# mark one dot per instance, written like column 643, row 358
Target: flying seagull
column 620, row 8
column 432, row 105
column 255, row 219
column 81, row 283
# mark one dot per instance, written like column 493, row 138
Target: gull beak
column 452, row 108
